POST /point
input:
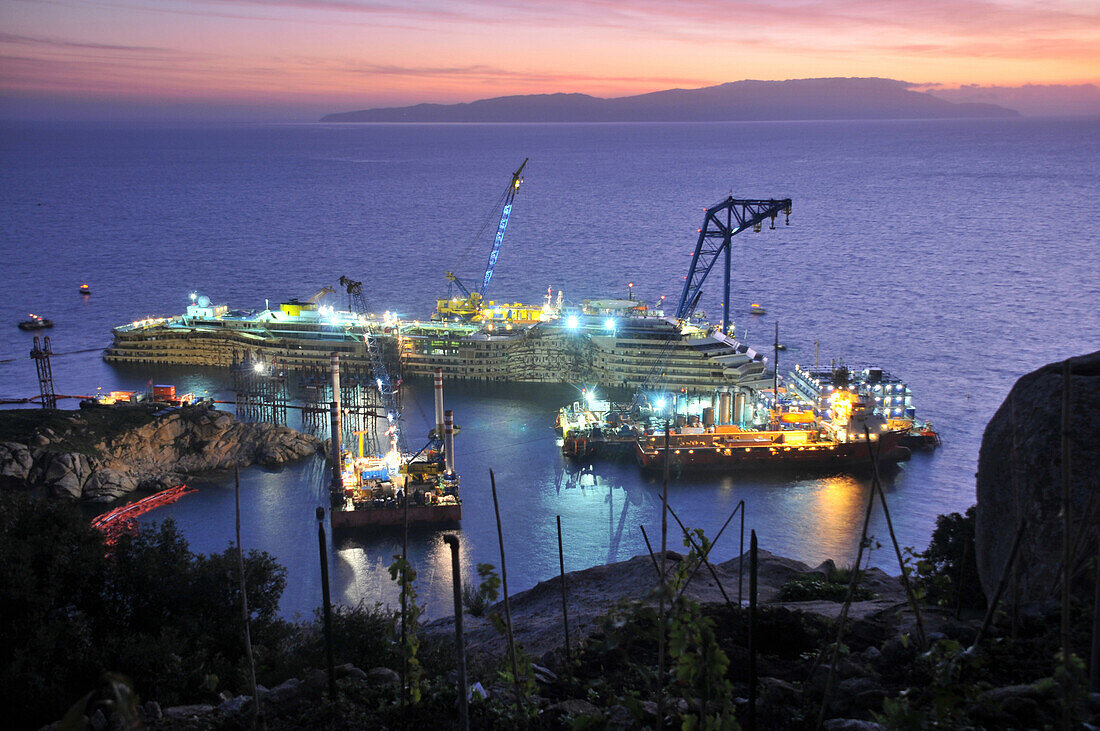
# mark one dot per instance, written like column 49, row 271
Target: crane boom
column 505, row 214
column 378, row 366
column 722, row 222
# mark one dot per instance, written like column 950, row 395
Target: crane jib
column 504, row 215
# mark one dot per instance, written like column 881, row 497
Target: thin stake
column 741, row 554
column 404, row 606
column 244, row 605
column 507, row 605
column 753, row 565
column 710, row 548
column 1015, row 513
column 1005, row 574
column 876, row 486
column 1094, row 664
column 460, row 642
column 327, row 604
column 564, row 604
column 656, row 568
column 661, row 595
column 1066, row 539
column 702, row 556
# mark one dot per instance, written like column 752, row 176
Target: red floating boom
column 123, row 521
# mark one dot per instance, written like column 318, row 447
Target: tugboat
column 36, row 322
column 85, row 289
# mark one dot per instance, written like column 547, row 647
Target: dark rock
column 355, row 675
column 152, row 455
column 98, row 721
column 284, row 692
column 776, row 691
column 849, row 668
column 649, row 709
column 851, row 724
column 962, row 632
column 383, row 676
column 180, row 713
column 152, row 709
column 234, row 705
column 619, row 717
column 871, row 655
column 1002, row 694
column 315, row 679
column 1020, row 475
column 574, row 707
column 895, row 653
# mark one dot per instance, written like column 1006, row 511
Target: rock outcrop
column 1020, row 476
column 100, row 454
column 594, row 591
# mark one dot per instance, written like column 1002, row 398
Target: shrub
column 948, row 568
column 815, row 587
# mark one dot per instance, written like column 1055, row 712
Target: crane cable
column 494, row 213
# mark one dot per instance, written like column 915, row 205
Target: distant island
column 794, row 99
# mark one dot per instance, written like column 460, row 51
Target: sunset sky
column 297, row 59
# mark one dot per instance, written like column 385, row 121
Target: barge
column 891, row 397
column 395, row 489
column 850, row 436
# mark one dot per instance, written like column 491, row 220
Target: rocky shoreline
column 99, row 454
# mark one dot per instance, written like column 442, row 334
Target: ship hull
column 548, row 352
column 814, row 456
column 383, row 517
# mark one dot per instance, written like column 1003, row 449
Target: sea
column 958, row 255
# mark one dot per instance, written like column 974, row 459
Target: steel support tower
column 722, row 222
column 41, row 355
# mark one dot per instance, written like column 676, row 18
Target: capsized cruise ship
column 613, row 343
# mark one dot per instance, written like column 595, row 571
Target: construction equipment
column 469, row 307
column 723, row 221
column 317, row 297
column 714, row 240
column 378, row 366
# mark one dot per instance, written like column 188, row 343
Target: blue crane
column 470, row 307
column 714, row 240
column 723, row 221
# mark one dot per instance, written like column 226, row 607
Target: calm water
column 958, row 255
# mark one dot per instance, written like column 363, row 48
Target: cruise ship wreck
column 613, row 343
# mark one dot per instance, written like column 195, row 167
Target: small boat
column 85, row 289
column 36, row 322
column 780, row 346
column 756, row 310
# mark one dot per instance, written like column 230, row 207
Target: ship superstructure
column 601, row 342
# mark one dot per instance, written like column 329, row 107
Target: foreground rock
column 537, row 614
column 1020, row 474
column 99, row 454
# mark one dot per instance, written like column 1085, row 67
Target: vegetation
column 947, row 571
column 814, row 586
column 477, row 601
column 82, row 628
